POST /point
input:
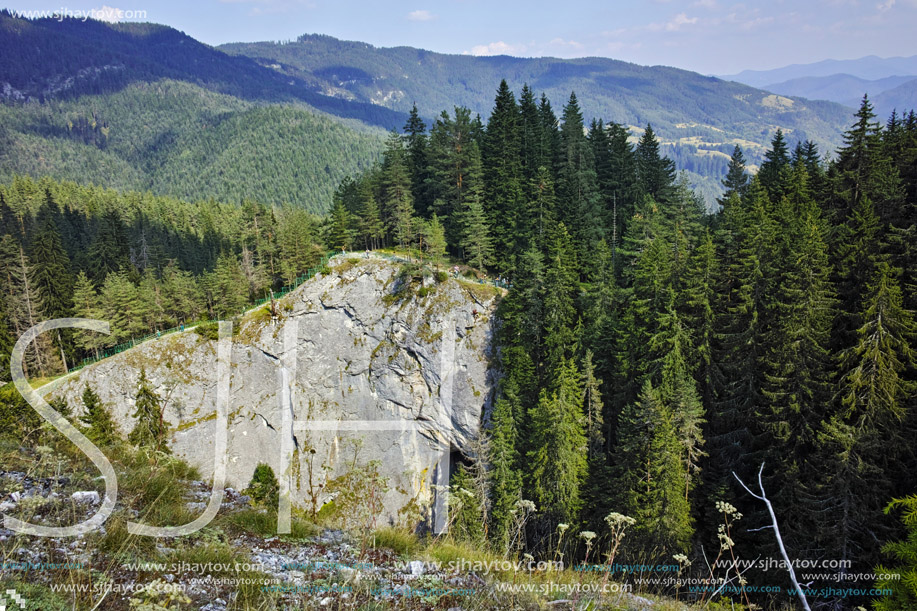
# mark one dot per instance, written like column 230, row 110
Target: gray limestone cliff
column 371, row 344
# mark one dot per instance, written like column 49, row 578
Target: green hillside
column 698, row 119
column 182, row 140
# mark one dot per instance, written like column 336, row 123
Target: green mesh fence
column 286, row 290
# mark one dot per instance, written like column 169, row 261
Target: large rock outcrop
column 371, row 344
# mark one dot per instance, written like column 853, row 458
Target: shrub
column 264, row 487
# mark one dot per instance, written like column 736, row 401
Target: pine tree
column 650, row 477
column 228, row 294
column 109, row 250
column 559, row 311
column 100, row 428
column 774, row 168
column 557, row 460
column 296, row 241
column 435, row 237
column 656, row 174
column 51, row 275
column 476, row 242
column 150, row 428
column 398, row 203
column 736, row 180
column 502, row 172
column 339, row 232
column 416, row 145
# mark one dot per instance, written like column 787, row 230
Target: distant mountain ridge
column 870, row 67
column 844, row 89
column 699, row 118
column 47, row 62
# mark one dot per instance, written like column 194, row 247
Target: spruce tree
column 502, row 173
column 398, row 202
column 774, row 168
column 150, row 428
column 86, row 305
column 505, row 481
column 559, row 308
column 100, row 428
column 650, row 478
column 558, row 458
column 416, row 145
column 435, row 240
column 339, row 229
column 109, row 249
column 476, row 242
column 656, row 174
column 51, row 275
column 579, row 206
column 736, row 180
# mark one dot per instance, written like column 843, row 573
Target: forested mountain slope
column 179, row 139
column 699, row 119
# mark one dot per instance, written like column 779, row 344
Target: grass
column 263, row 522
column 399, row 540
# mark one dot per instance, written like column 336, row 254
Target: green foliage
column 904, row 588
column 264, row 489
column 466, row 511
column 150, row 428
column 100, row 428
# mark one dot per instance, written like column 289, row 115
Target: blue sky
column 709, row 36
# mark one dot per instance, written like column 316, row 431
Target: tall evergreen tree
column 51, row 275
column 650, row 478
column 774, row 168
column 579, row 205
column 398, row 203
column 150, row 428
column 736, row 180
column 416, row 145
column 656, row 174
column 557, row 459
column 502, row 172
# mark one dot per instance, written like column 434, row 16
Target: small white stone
column 86, row 496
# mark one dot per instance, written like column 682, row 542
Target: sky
column 707, row 36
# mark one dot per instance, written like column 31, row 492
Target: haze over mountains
column 891, row 83
column 196, row 141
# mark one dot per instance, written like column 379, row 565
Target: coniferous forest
column 650, row 354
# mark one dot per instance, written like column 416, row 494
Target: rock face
column 371, row 344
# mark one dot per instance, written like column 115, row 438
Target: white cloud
column 884, row 6
column 420, row 16
column 674, row 24
column 560, row 42
column 496, row 48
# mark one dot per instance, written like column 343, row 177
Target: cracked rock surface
column 367, row 347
